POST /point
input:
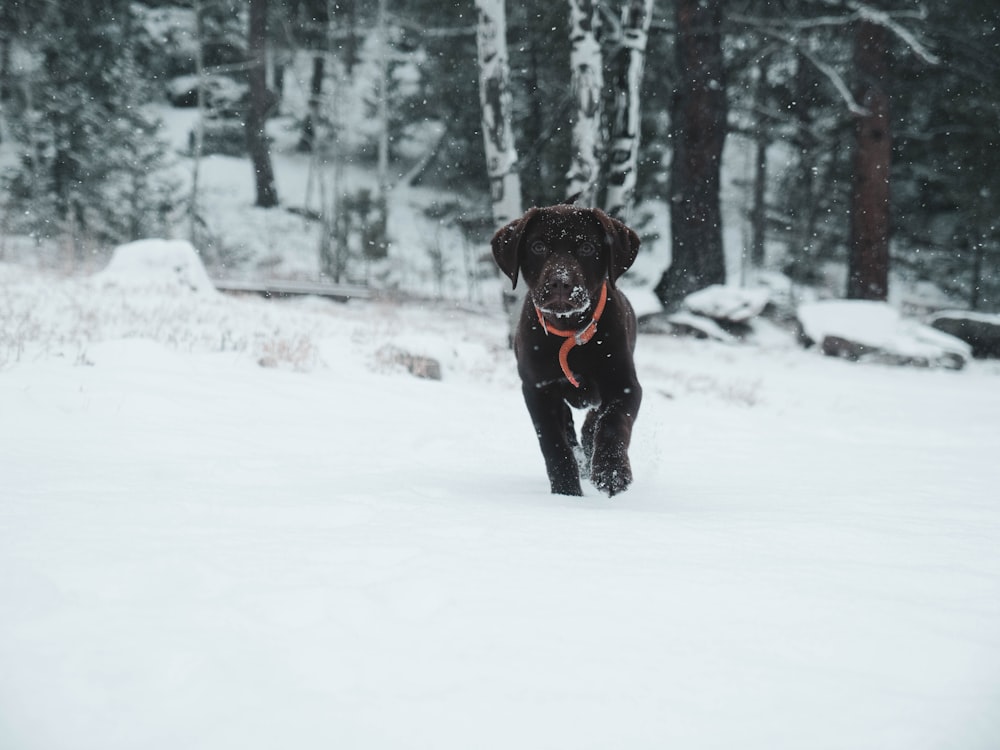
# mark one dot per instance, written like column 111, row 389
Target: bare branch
column 827, row 70
column 881, row 18
column 797, row 24
column 837, row 81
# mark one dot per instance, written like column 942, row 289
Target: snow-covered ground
column 198, row 551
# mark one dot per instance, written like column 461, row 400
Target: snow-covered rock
column 161, row 263
column 874, row 331
column 417, row 365
column 698, row 326
column 721, row 313
column 980, row 330
column 727, row 303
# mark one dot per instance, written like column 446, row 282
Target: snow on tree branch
column 837, row 80
column 882, row 18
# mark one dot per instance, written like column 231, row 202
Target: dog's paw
column 611, row 474
column 566, row 486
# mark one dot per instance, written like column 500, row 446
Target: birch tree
column 495, row 103
column 626, row 65
column 587, row 82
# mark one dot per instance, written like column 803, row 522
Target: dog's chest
column 538, row 356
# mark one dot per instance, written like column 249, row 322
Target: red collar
column 575, row 338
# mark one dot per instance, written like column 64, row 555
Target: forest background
column 869, row 129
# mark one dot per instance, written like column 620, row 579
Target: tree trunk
column 587, row 83
column 804, row 203
column 308, row 137
column 5, row 89
column 626, row 66
column 382, row 102
column 698, row 132
column 532, row 128
column 975, row 287
column 495, row 101
column 868, row 265
column 267, row 193
column 198, row 135
column 758, row 209
column 314, row 16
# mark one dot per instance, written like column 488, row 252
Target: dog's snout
column 559, row 281
column 562, row 286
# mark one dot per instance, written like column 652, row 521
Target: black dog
column 574, row 340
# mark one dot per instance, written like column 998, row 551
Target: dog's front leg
column 611, row 471
column 554, row 425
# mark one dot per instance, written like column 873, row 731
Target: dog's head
column 565, row 253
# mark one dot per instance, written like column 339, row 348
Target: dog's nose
column 559, row 282
column 562, row 288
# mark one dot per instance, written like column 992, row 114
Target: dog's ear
column 507, row 244
column 623, row 245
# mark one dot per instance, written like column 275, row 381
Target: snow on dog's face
column 563, row 260
column 565, row 254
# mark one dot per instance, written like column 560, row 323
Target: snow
column 160, row 262
column 879, row 325
column 197, row 551
column 705, row 326
column 721, row 302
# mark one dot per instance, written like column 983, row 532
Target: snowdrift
column 168, row 264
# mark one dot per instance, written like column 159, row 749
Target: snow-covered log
column 626, row 69
column 495, row 102
column 587, row 71
column 981, row 331
column 874, row 331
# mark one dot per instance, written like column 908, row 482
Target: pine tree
column 868, row 262
column 698, row 134
column 542, row 98
column 947, row 155
column 89, row 154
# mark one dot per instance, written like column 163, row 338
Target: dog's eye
column 586, row 248
column 538, row 247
